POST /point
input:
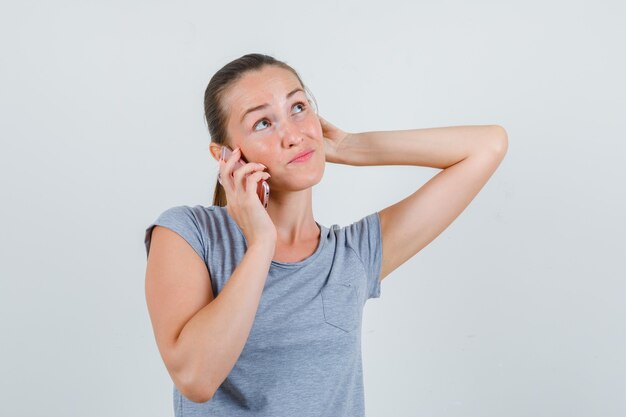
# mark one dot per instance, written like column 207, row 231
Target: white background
column 517, row 309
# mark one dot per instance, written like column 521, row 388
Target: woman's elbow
column 196, row 392
column 193, row 388
column 499, row 140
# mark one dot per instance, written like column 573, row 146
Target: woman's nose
column 290, row 133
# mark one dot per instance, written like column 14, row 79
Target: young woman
column 257, row 311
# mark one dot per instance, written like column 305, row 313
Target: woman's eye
column 262, row 120
column 301, row 104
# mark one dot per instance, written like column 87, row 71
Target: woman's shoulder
column 198, row 218
column 190, row 222
column 198, row 210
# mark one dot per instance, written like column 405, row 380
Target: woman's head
column 260, row 105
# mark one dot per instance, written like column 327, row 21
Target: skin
column 273, row 136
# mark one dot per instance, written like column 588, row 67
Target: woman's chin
column 297, row 183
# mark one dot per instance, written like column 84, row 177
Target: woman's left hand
column 333, row 138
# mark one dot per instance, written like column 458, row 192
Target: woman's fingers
column 227, row 166
column 237, row 178
column 234, row 157
column 253, row 179
column 244, row 170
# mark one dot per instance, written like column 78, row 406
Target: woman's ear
column 215, row 149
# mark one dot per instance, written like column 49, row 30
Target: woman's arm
column 468, row 155
column 200, row 337
column 439, row 147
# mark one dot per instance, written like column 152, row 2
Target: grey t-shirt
column 303, row 355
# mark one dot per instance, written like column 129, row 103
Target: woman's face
column 273, row 134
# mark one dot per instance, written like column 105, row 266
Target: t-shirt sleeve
column 181, row 220
column 365, row 238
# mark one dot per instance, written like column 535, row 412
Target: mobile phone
column 263, row 188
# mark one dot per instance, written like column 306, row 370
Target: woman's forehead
column 258, row 87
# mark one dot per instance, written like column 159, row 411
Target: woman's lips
column 304, row 157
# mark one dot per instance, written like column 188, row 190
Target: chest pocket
column 341, row 307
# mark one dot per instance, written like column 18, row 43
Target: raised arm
column 468, row 155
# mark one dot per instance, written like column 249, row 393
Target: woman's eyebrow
column 262, row 106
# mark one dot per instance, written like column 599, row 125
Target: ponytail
column 219, row 196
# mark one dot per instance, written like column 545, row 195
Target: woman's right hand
column 244, row 205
